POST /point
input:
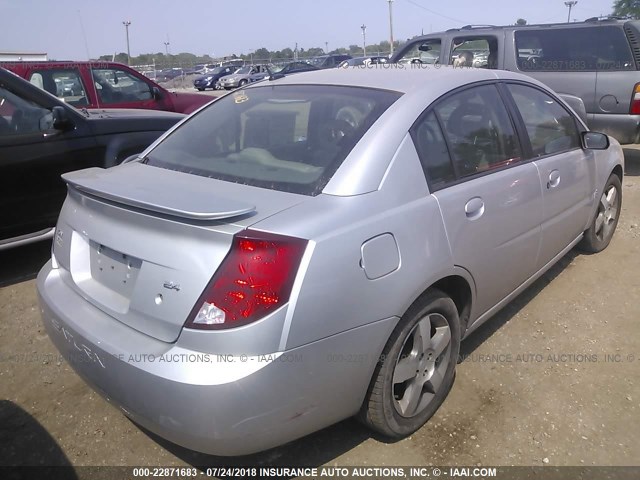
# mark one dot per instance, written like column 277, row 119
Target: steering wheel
column 338, row 129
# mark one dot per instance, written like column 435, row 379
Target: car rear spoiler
column 156, row 189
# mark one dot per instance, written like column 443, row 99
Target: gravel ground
column 554, row 379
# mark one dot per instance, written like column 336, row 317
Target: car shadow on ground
column 313, row 450
column 25, row 444
column 23, row 263
column 632, row 162
column 486, row 330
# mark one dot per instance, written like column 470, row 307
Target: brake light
column 254, row 279
column 635, row 100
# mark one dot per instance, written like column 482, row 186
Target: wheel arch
column 457, row 284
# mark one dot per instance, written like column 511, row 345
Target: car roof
column 590, row 22
column 401, row 78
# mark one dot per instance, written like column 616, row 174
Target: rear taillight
column 635, row 100
column 253, row 280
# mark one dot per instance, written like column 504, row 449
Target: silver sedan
column 316, row 247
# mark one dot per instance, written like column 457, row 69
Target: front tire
column 599, row 234
column 417, row 367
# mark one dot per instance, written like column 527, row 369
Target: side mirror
column 61, row 120
column 595, row 141
column 157, row 94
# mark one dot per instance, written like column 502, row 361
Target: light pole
column 570, row 4
column 126, row 24
column 326, row 47
column 391, row 25
column 166, row 47
column 364, row 39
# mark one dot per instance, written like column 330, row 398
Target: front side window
column 21, row 116
column 287, row 138
column 550, row 127
column 424, row 52
column 573, row 49
column 479, row 131
column 114, row 85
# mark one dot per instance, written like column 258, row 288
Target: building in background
column 22, row 56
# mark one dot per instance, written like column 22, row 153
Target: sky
column 82, row 29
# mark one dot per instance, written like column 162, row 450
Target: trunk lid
column 141, row 242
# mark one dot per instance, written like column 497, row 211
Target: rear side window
column 573, row 49
column 479, row 52
column 433, row 152
column 290, row 137
column 478, row 130
column 65, row 84
column 550, row 127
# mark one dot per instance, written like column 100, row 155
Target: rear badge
column 172, row 286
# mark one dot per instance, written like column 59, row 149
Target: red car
column 104, row 84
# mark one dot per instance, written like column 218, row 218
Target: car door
column 567, row 172
column 33, row 155
column 490, row 199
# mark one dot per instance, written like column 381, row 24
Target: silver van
column 593, row 64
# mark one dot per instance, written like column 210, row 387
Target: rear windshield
column 290, row 138
column 574, row 49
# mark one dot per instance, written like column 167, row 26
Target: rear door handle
column 474, row 208
column 554, row 179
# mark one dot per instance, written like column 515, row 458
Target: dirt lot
column 536, row 386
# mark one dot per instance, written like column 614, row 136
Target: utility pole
column 364, row 39
column 126, row 24
column 391, row 25
column 570, row 4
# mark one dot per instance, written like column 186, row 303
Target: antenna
column 84, row 35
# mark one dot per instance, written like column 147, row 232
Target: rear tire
column 603, row 226
column 416, row 369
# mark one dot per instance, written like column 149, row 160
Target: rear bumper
column 221, row 406
column 624, row 128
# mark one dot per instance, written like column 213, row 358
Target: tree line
column 261, row 55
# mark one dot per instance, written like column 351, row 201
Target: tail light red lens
column 635, row 100
column 253, row 280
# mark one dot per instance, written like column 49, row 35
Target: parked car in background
column 360, row 61
column 592, row 64
column 329, row 61
column 209, row 79
column 42, row 138
column 170, row 74
column 297, row 67
column 316, row 247
column 288, row 69
column 241, row 76
column 104, row 84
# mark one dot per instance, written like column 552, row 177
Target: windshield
column 290, row 137
column 217, row 70
column 243, row 70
